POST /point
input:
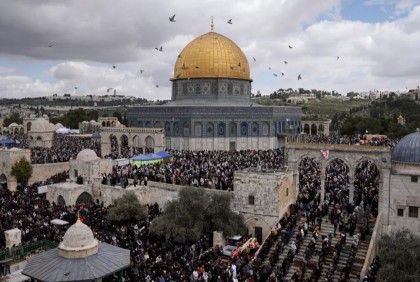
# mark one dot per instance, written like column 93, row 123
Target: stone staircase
column 327, row 227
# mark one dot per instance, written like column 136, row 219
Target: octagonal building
column 211, row 107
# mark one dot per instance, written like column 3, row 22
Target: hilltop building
column 211, row 106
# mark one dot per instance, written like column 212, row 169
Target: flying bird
column 285, row 62
column 172, row 19
column 282, row 73
column 157, row 85
column 269, row 68
column 141, row 71
column 275, row 74
column 197, row 67
column 229, row 21
column 239, row 64
column 231, row 67
column 75, row 87
column 254, row 59
column 159, row 49
column 338, row 57
column 113, row 67
column 290, row 47
column 109, row 89
column 299, row 77
column 50, row 45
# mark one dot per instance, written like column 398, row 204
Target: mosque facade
column 211, row 106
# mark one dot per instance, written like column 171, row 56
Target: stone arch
column 108, row 123
column 85, row 198
column 198, row 129
column 321, row 129
column 39, row 142
column 137, row 145
column 114, row 144
column 366, row 184
column 150, row 143
column 3, row 181
column 306, row 129
column 28, row 126
column 314, row 129
column 309, row 181
column 233, row 129
column 61, row 201
column 103, row 123
column 21, row 131
column 337, row 180
column 125, row 149
column 258, row 221
column 210, row 129
column 244, row 129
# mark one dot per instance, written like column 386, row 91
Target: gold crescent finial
column 212, row 25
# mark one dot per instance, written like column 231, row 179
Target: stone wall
column 373, row 246
column 40, row 172
column 8, row 157
column 262, row 197
column 404, row 194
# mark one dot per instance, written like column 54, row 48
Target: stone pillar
column 322, row 188
column 13, row 237
column 351, row 189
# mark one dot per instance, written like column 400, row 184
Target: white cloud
column 89, row 37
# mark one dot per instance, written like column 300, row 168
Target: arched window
column 254, row 129
column 186, row 129
column 176, row 129
column 244, row 129
column 139, row 124
column 168, row 128
column 198, row 129
column 221, row 129
column 210, row 130
column 265, row 129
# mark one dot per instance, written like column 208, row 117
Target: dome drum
column 215, row 89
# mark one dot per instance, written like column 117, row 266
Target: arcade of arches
column 311, row 127
column 350, row 171
column 129, row 141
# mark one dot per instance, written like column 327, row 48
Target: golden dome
column 212, row 55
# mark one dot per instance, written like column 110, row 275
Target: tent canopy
column 140, row 160
column 7, row 143
column 164, row 154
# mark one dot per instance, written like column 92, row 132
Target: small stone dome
column 42, row 125
column 87, row 155
column 407, row 149
column 96, row 136
column 92, row 121
column 13, row 124
column 78, row 242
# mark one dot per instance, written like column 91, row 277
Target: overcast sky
column 347, row 45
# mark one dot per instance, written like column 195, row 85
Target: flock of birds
column 160, row 49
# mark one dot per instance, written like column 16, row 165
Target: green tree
column 22, row 170
column 14, row 117
column 73, row 117
column 399, row 255
column 195, row 213
column 127, row 209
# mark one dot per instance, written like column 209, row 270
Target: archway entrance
column 150, row 144
column 3, row 181
column 125, row 150
column 366, row 186
column 114, row 146
column 337, row 182
column 137, row 148
column 309, row 179
column 61, row 201
column 85, row 198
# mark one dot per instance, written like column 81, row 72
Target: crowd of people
column 352, row 140
column 208, row 169
column 158, row 259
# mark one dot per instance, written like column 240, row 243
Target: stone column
column 322, row 187
column 351, row 189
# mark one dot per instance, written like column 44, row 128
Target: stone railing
column 373, row 246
